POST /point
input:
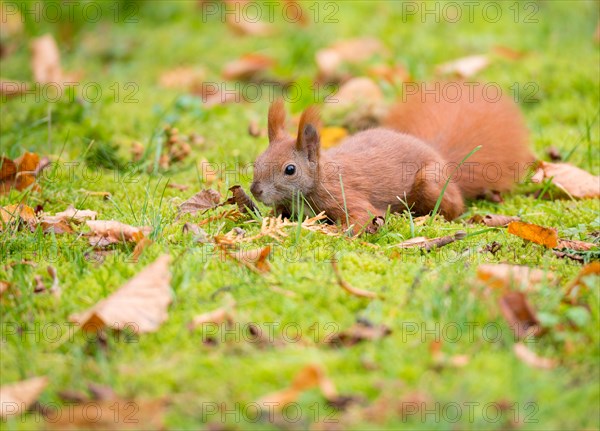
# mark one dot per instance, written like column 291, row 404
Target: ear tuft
column 276, row 119
column 308, row 136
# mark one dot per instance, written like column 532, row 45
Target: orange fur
column 372, row 171
column 455, row 127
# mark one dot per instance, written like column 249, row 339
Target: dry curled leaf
column 493, row 220
column 255, row 259
column 57, row 227
column 309, row 377
column 232, row 215
column 532, row 232
column 16, row 398
column 139, row 248
column 140, row 305
column 72, row 214
column 503, row 275
column 357, row 333
column 575, row 245
column 519, row 314
column 201, row 201
column 242, row 200
column 248, row 67
column 20, row 173
column 465, row 67
column 106, row 232
column 573, row 180
column 531, row 358
column 347, row 287
column 17, row 215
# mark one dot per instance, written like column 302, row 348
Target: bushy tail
column 456, row 117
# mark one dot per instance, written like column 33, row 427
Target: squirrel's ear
column 308, row 136
column 276, row 119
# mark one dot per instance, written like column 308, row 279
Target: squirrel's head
column 289, row 165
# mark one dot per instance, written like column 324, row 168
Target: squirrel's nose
column 256, row 190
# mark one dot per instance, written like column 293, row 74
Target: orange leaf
column 540, row 235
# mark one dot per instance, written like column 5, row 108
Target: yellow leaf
column 331, row 136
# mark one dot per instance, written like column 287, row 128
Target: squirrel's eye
column 290, row 170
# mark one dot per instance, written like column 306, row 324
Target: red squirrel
column 424, row 140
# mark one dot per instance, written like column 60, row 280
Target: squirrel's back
column 455, row 118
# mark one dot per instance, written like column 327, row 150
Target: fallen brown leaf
column 465, row 67
column 248, row 67
column 201, row 201
column 140, row 304
column 519, row 314
column 57, row 227
column 242, row 200
column 139, row 248
column 21, row 172
column 232, row 214
column 16, row 398
column 255, row 259
column 503, row 275
column 531, row 358
column 357, row 333
column 106, row 232
column 309, row 377
column 347, row 287
column 575, row 245
column 72, row 214
column 493, row 220
column 576, row 182
column 16, row 214
column 532, row 232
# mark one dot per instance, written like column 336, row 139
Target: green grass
column 430, row 289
